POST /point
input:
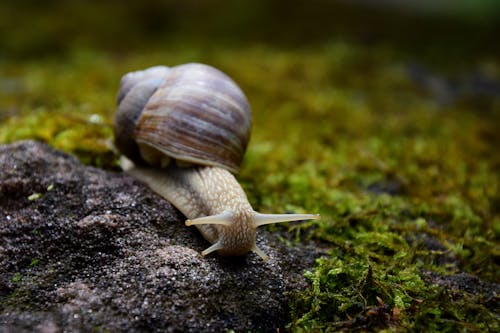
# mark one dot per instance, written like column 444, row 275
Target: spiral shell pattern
column 192, row 113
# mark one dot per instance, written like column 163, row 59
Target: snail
column 184, row 131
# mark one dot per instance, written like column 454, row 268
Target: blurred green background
column 35, row 28
column 383, row 116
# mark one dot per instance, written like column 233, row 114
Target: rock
column 460, row 283
column 83, row 249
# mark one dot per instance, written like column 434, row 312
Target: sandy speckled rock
column 83, row 249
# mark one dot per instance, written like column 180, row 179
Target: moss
column 88, row 139
column 374, row 278
column 405, row 179
column 17, row 277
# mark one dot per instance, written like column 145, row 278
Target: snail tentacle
column 262, row 219
column 214, row 247
column 260, row 253
column 222, row 219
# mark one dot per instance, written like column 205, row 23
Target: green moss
column 17, row 277
column 374, row 276
column 88, row 139
column 34, row 196
column 406, row 184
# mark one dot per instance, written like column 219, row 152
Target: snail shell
column 193, row 113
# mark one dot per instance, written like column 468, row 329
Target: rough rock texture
column 82, row 249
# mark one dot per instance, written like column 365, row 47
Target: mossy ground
column 397, row 151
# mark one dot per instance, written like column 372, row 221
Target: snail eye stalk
column 262, row 219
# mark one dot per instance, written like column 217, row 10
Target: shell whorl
column 136, row 88
column 192, row 112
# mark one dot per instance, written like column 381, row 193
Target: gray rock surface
column 83, row 249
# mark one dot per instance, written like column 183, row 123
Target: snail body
column 185, row 129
